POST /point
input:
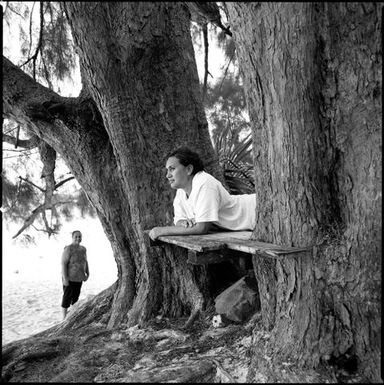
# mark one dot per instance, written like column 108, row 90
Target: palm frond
column 235, row 158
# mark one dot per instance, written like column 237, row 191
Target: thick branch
column 48, row 157
column 24, row 98
column 28, row 144
column 61, row 122
column 35, row 106
column 17, row 135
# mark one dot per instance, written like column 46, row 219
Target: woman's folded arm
column 198, row 228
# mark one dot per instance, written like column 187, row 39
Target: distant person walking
column 75, row 270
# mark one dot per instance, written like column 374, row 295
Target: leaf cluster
column 18, row 199
column 230, row 134
column 46, row 47
column 58, row 56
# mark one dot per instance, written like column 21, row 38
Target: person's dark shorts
column 71, row 294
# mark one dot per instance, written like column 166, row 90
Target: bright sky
column 216, row 60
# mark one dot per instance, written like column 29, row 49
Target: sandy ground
column 31, row 280
column 30, row 305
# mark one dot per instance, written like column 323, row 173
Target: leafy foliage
column 46, row 48
column 23, row 191
column 58, row 56
column 226, row 111
column 78, row 200
column 18, row 198
column 227, row 45
column 231, row 134
column 235, row 158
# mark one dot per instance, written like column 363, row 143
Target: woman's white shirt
column 209, row 201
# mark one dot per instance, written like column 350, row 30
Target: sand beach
column 31, row 279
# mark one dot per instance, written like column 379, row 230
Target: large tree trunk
column 312, row 75
column 141, row 99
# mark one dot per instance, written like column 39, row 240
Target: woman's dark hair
column 187, row 157
column 76, row 231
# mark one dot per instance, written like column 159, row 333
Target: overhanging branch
column 55, row 119
column 27, row 144
column 30, row 104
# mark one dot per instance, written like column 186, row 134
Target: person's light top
column 209, row 201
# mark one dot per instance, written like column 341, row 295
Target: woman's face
column 179, row 176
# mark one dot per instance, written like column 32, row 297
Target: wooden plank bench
column 220, row 246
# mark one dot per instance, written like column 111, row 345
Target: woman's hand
column 190, row 228
column 155, row 233
column 186, row 222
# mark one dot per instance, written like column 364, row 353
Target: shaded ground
column 161, row 351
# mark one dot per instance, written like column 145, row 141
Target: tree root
column 21, row 353
column 192, row 318
column 222, row 371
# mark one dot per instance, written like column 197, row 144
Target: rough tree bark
column 140, row 99
column 312, row 75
